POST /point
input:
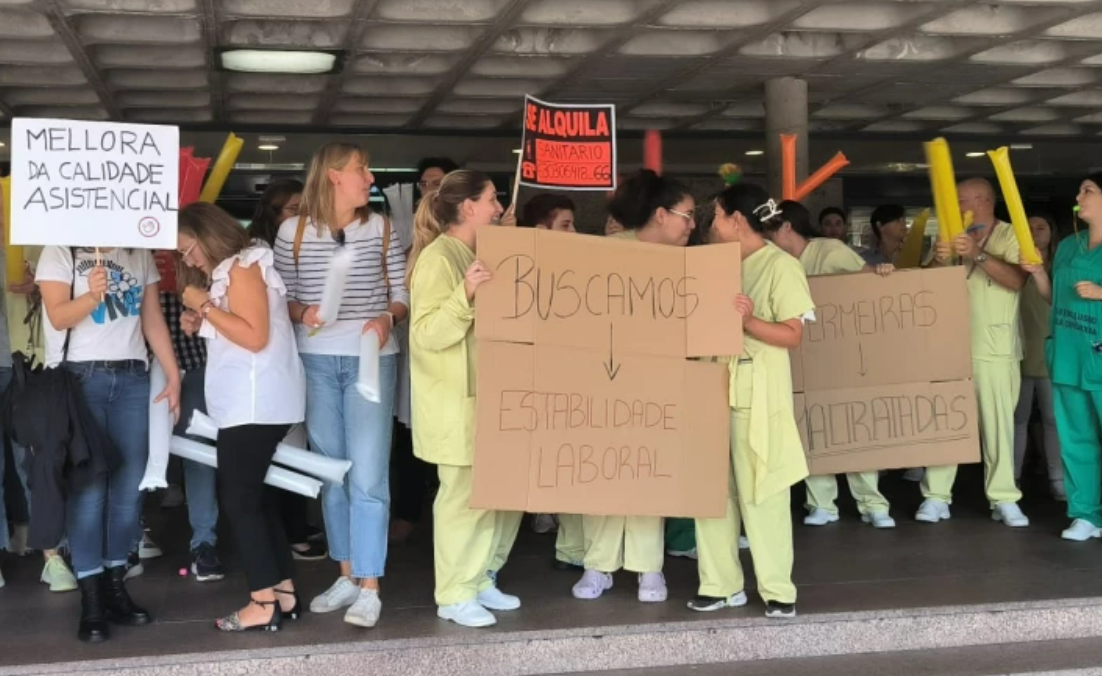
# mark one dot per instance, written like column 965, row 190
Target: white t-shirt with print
column 113, row 332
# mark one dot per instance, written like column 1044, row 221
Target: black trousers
column 293, row 508
column 409, row 476
column 251, row 506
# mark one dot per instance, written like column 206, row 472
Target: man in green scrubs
column 989, row 252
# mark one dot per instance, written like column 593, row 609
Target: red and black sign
column 568, row 147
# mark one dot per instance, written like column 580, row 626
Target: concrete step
column 1080, row 657
column 731, row 643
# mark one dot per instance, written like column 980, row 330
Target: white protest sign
column 92, row 184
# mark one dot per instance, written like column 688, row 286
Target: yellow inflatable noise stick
column 910, row 256
column 944, row 185
column 1001, row 159
column 13, row 254
column 220, row 170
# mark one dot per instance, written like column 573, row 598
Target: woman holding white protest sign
column 766, row 451
column 656, row 210
column 255, row 391
column 793, row 233
column 102, row 308
column 470, row 545
column 335, row 226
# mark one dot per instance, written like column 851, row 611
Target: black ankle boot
column 93, row 622
column 118, row 607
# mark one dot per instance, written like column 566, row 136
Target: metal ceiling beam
column 502, row 23
column 68, row 34
column 360, row 14
column 210, row 20
column 874, row 39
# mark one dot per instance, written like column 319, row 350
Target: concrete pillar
column 785, row 113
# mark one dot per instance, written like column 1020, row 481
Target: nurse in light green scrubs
column 1074, row 354
column 767, row 456
column 792, row 232
column 989, row 252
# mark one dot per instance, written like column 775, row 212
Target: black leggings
column 252, row 507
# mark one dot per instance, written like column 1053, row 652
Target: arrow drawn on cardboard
column 611, row 367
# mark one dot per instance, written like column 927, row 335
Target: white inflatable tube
column 160, row 432
column 335, row 281
column 277, row 476
column 368, row 383
column 312, row 463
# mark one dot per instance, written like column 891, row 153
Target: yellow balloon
column 220, row 170
column 1009, row 186
column 944, row 184
column 910, row 256
column 13, row 254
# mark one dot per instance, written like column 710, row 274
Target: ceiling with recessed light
column 881, row 66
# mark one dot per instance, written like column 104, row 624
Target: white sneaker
column 687, row 554
column 932, row 511
column 652, row 587
column 1081, row 530
column 366, row 610
column 592, row 585
column 495, row 599
column 544, row 524
column 819, row 517
column 467, row 614
column 148, row 549
column 17, row 543
column 342, row 594
column 916, row 474
column 743, row 542
column 879, row 520
column 1010, row 514
column 56, row 574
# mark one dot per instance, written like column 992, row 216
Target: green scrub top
column 995, row 309
column 761, row 381
column 1074, row 352
column 825, row 256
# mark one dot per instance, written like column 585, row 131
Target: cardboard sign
column 586, row 400
column 93, row 184
column 883, row 375
column 568, row 147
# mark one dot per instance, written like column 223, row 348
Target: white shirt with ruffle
column 243, row 387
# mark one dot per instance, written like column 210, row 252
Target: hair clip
column 767, row 211
column 730, row 173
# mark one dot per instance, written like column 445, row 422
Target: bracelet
column 205, row 308
column 393, row 319
column 302, row 315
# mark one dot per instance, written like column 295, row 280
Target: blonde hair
column 318, row 195
column 438, row 212
column 217, row 233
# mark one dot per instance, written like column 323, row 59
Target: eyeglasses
column 184, row 254
column 688, row 217
column 338, row 237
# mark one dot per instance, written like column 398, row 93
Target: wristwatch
column 981, row 259
column 393, row 319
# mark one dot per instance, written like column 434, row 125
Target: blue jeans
column 343, row 425
column 103, row 521
column 200, row 481
column 19, row 455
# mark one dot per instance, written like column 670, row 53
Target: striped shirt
column 366, row 295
